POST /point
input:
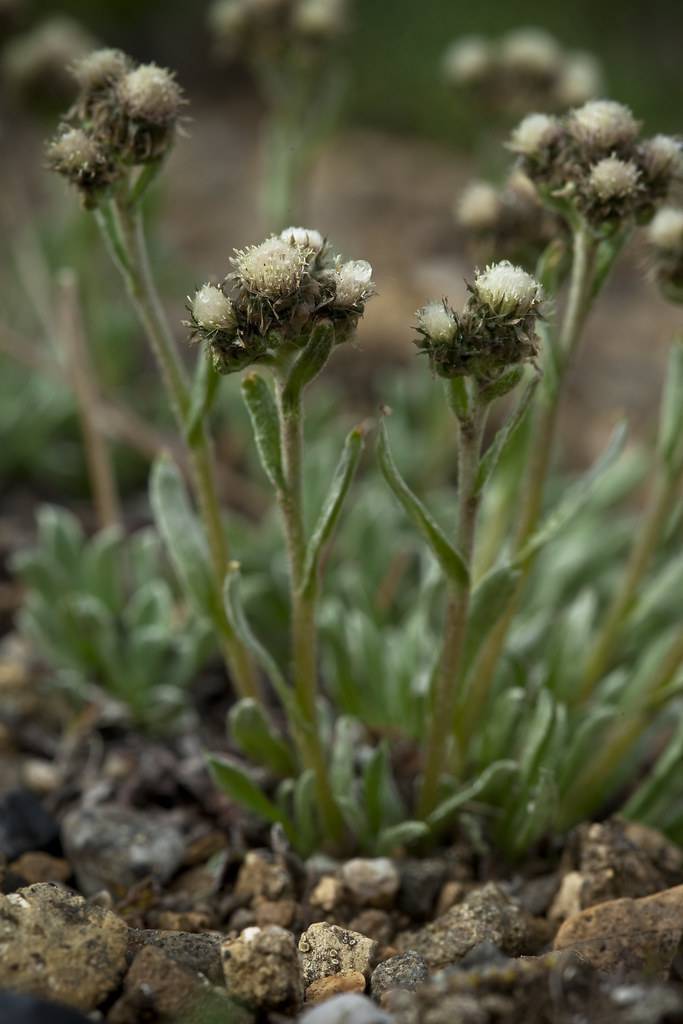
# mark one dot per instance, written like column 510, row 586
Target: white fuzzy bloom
column 478, row 207
column 74, row 150
column 274, row 269
column 321, row 18
column 507, row 288
column 603, row 124
column 212, row 309
column 227, row 18
column 533, row 134
column 468, row 60
column 612, row 178
column 437, row 322
column 663, row 156
column 531, row 50
column 305, row 238
column 666, row 229
column 354, row 283
column 580, row 79
column 150, row 93
column 100, row 68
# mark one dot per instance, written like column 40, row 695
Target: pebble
column 406, row 970
column 421, row 882
column 349, row 1008
column 327, row 894
column 21, row 1009
column 485, row 913
column 324, row 988
column 57, row 946
column 372, row 882
column 326, row 949
column 626, row 935
column 25, row 825
column 261, row 968
column 155, row 986
column 199, row 952
column 40, row 867
column 264, row 876
column 112, row 847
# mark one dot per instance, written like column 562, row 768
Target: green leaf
column 573, row 501
column 103, row 567
column 505, row 436
column 670, row 439
column 501, row 385
column 202, row 396
column 236, row 782
column 458, row 397
column 306, row 812
column 262, row 408
column 61, row 534
column 448, row 807
column 446, row 554
column 400, row 835
column 331, row 510
column 254, row 735
column 308, row 363
column 184, row 539
column 584, row 742
column 489, row 600
column 344, row 746
column 666, row 773
column 537, row 734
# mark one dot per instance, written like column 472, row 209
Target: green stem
column 303, row 602
column 657, row 513
column 123, row 228
column 581, row 294
column 445, row 693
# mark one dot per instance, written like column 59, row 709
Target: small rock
column 40, row 867
column 327, row 894
column 372, row 882
column 57, row 946
column 645, row 1004
column 199, row 952
column 326, row 949
column 664, row 854
column 40, row 776
column 155, row 985
column 407, row 970
column 452, row 892
column 19, row 1009
column 113, row 847
column 486, row 913
column 192, row 921
column 567, row 901
column 629, row 936
column 262, row 968
column 376, row 924
column 349, row 1008
column 281, row 912
column 25, row 825
column 264, row 876
column 324, row 988
column 421, row 882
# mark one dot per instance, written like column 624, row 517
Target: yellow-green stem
column 445, row 694
column 128, row 244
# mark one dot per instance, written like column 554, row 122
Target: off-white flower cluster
column 254, row 28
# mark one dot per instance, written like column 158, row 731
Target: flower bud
column 580, row 80
column 354, row 284
column 100, row 69
column 665, row 231
column 602, row 126
column 613, row 178
column 35, row 63
column 507, row 290
column 320, row 19
column 534, row 135
column 82, row 160
column 530, row 51
column 305, row 238
column 468, row 61
column 212, row 310
column 478, row 208
column 272, row 270
column 150, row 101
column 437, row 322
column 662, row 160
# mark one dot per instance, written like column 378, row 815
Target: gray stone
column 485, row 914
column 326, row 949
column 264, row 876
column 421, row 882
column 112, row 848
column 262, row 968
column 346, row 1009
column 198, row 951
column 55, row 945
column 372, row 882
column 407, row 970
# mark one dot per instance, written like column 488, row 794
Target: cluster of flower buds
column 125, row 115
column 274, row 296
column 594, row 158
column 495, row 332
column 665, row 238
column 264, row 28
column 524, row 68
column 509, row 222
column 35, row 63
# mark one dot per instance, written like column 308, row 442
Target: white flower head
column 100, row 68
column 73, row 151
column 305, row 238
column 468, row 60
column 274, row 269
column 580, row 79
column 663, row 156
column 478, row 207
column 354, row 283
column 507, row 289
column 437, row 321
column 531, row 50
column 533, row 134
column 320, row 18
column 603, row 124
column 227, row 18
column 612, row 178
column 150, row 93
column 666, row 230
column 212, row 310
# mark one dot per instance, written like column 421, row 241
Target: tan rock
column 55, row 945
column 626, row 935
column 262, row 968
column 326, row 949
column 40, row 867
column 334, row 984
column 328, row 893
